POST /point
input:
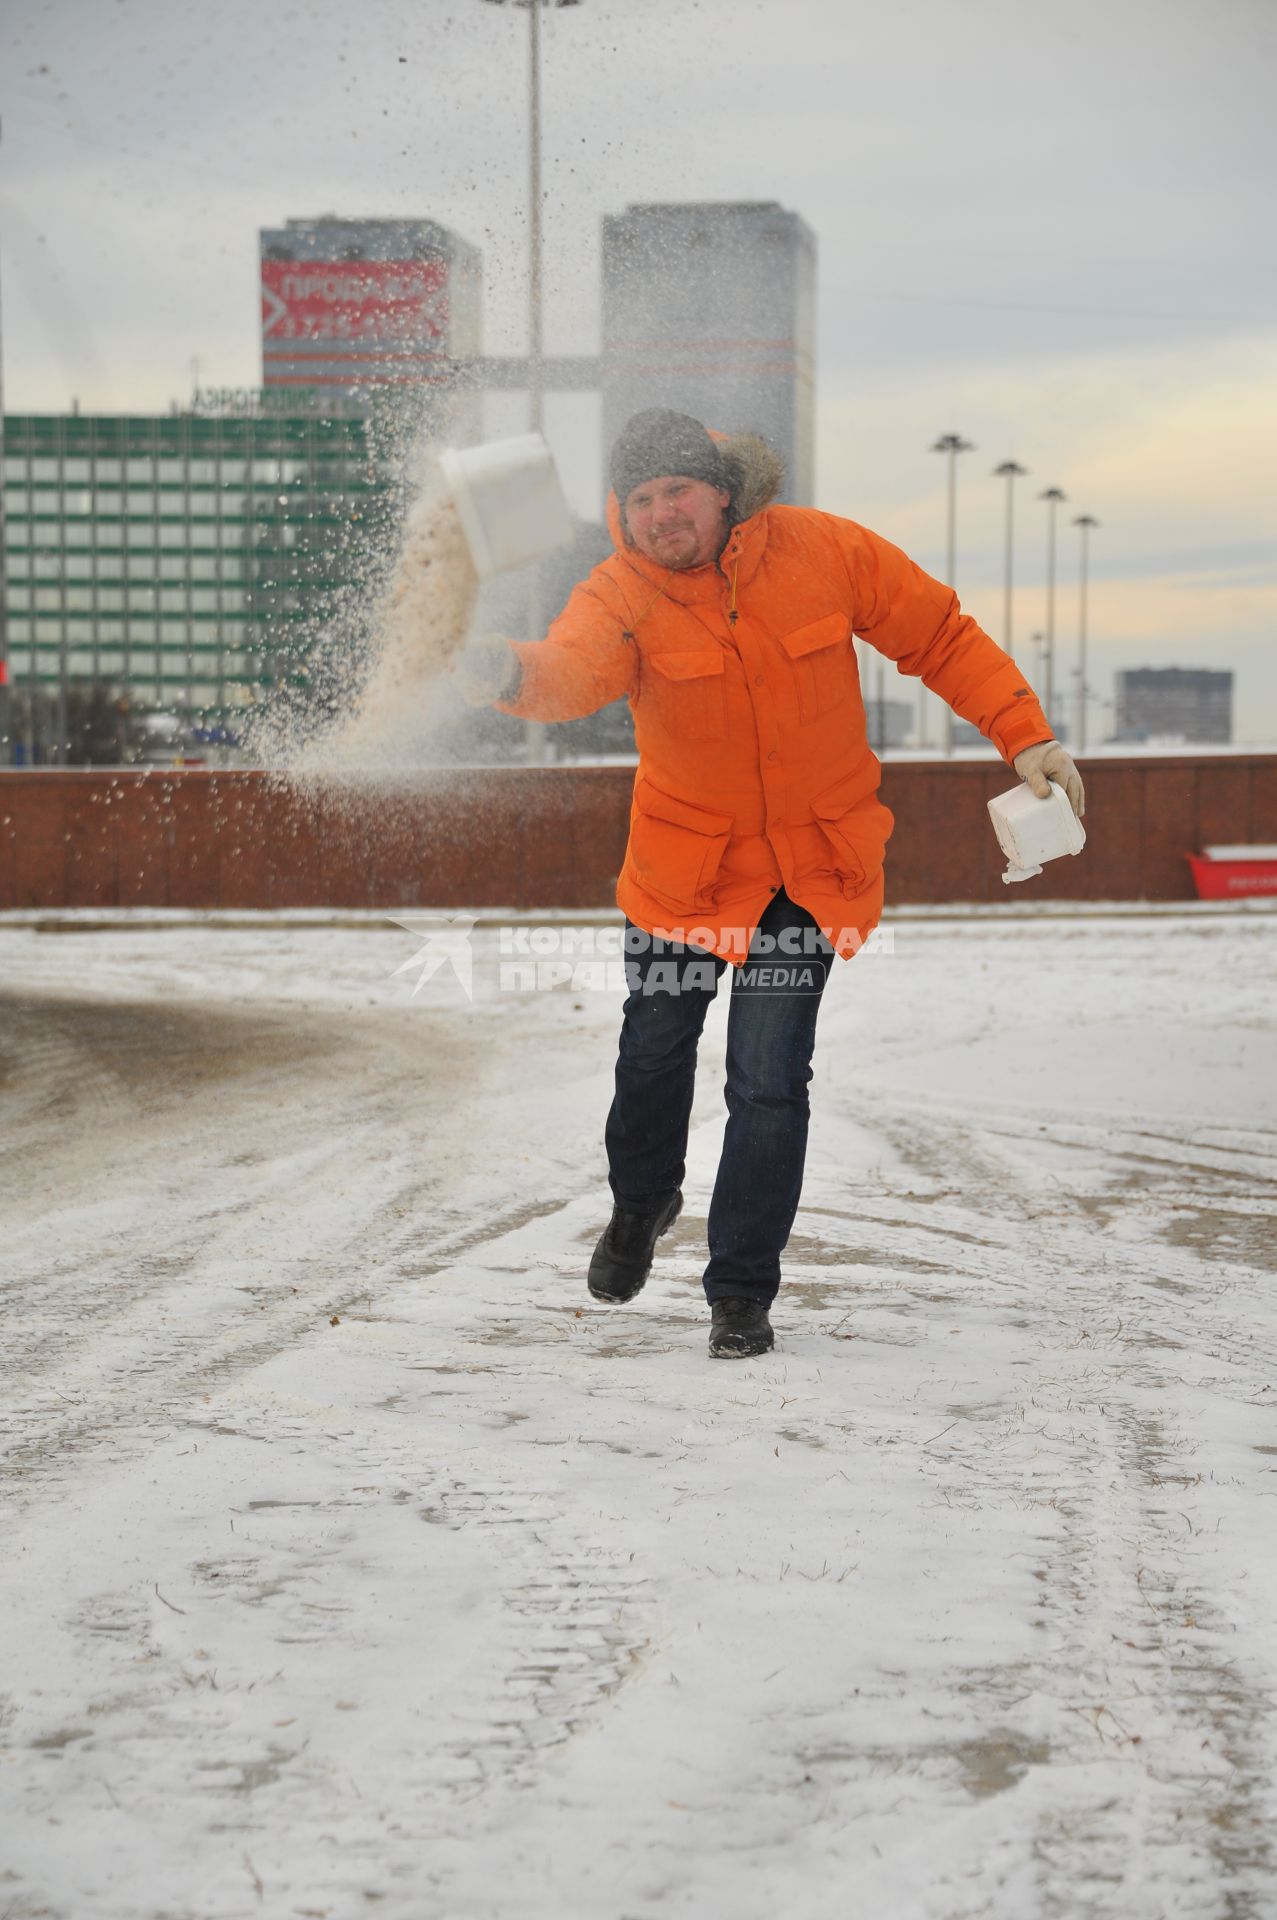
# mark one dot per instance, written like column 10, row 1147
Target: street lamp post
column 536, row 354
column 1085, row 522
column 535, row 733
column 953, row 444
column 1010, row 469
column 1053, row 497
column 6, row 692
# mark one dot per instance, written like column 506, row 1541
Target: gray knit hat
column 659, row 442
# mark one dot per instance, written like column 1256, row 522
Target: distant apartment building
column 185, row 563
column 181, row 559
column 888, row 723
column 709, row 307
column 1193, row 704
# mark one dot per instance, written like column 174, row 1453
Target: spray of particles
column 373, row 685
column 420, row 623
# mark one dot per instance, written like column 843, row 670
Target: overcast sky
column 1050, row 229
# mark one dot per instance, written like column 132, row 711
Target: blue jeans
column 771, row 1031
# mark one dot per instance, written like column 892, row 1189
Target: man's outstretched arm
column 916, row 621
column 583, row 663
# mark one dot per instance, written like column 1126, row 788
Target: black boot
column 623, row 1258
column 740, row 1327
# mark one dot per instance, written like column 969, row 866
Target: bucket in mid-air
column 509, row 500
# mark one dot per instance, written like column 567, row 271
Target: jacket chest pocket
column 688, row 692
column 823, row 664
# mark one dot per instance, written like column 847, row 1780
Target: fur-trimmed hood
column 753, row 472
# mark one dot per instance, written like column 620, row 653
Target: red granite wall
column 553, row 836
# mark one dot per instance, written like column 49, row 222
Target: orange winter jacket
column 755, row 771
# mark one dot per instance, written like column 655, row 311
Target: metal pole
column 1011, row 469
column 536, row 365
column 953, row 563
column 1050, row 610
column 534, row 731
column 1053, row 497
column 1084, row 522
column 922, row 717
column 6, row 690
column 953, row 444
column 1080, row 735
column 1008, row 645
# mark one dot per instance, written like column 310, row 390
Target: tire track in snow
column 1132, row 1610
column 1006, row 1214
column 270, row 1220
column 572, row 1637
column 1129, row 1616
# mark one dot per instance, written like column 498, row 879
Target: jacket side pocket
column 676, row 848
column 857, row 827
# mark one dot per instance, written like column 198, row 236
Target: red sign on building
column 376, row 302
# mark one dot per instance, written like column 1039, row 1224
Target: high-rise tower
column 710, row 308
column 353, row 304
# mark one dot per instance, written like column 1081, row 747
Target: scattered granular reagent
column 370, row 687
column 420, row 624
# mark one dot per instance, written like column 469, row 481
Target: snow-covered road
column 355, row 1562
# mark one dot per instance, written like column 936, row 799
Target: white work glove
column 487, row 670
column 1047, row 762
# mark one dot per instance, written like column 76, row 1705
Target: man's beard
column 676, row 539
column 662, row 559
column 696, row 558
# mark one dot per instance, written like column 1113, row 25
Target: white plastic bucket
column 509, row 501
column 1031, row 831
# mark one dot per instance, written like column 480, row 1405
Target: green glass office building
column 185, row 560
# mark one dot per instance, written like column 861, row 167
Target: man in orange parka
column 756, row 835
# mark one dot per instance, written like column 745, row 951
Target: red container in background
column 1234, row 872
